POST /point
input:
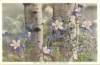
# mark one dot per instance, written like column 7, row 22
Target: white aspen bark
column 75, row 50
column 33, row 14
column 65, row 10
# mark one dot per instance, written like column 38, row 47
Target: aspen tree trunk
column 33, row 15
column 26, row 12
column 75, row 52
column 74, row 37
column 64, row 10
column 75, row 45
column 40, row 33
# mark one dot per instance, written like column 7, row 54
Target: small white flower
column 15, row 44
column 29, row 34
column 46, row 50
column 86, row 24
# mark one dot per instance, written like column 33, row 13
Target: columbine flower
column 15, row 44
column 29, row 34
column 87, row 24
column 46, row 50
column 58, row 24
